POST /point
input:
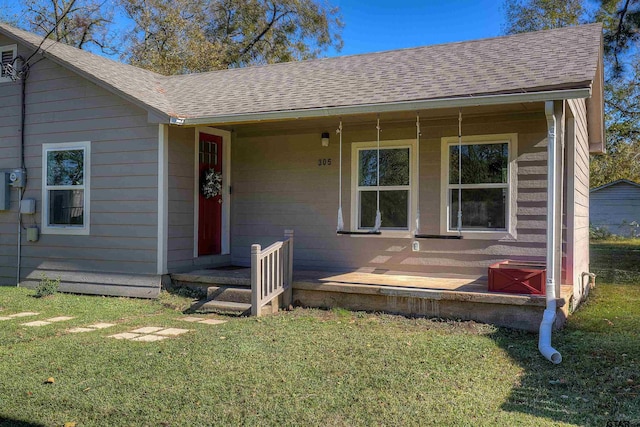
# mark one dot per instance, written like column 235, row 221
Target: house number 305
column 324, row 162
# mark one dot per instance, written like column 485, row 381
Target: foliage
column 533, row 15
column 183, row 36
column 176, row 37
column 47, row 287
column 85, row 24
column 621, row 20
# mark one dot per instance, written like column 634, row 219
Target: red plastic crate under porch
column 517, row 277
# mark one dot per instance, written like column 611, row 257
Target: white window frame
column 13, row 48
column 509, row 233
column 413, row 179
column 86, row 179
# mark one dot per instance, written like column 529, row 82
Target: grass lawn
column 313, row 367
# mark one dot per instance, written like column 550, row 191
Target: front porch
column 449, row 297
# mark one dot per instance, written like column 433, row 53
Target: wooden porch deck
column 464, row 298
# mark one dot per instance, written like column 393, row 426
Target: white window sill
column 78, row 231
column 388, row 234
column 504, row 236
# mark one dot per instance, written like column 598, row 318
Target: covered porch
column 378, row 290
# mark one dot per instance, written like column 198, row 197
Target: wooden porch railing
column 271, row 273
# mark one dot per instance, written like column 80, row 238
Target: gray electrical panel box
column 28, row 206
column 5, row 191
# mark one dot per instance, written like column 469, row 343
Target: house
column 116, row 157
column 615, row 207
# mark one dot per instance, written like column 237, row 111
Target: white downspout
column 549, row 316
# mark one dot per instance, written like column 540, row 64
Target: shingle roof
column 564, row 58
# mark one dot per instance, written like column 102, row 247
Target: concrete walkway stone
column 147, row 330
column 101, row 325
column 77, row 330
column 172, row 331
column 213, row 322
column 124, row 336
column 37, row 323
column 23, row 314
column 149, row 338
column 190, row 319
column 59, row 319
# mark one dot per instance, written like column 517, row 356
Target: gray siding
column 614, row 206
column 63, row 107
column 181, row 203
column 278, row 185
column 581, row 194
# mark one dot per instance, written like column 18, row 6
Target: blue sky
column 375, row 25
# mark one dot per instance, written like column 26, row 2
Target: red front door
column 210, row 209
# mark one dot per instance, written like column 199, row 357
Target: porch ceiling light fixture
column 325, row 139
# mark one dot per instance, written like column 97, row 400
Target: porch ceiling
column 323, row 124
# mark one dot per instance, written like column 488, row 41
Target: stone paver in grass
column 190, row 319
column 58, row 319
column 124, row 336
column 172, row 331
column 213, row 322
column 77, row 330
column 37, row 323
column 147, row 330
column 101, row 325
column 23, row 314
column 149, row 338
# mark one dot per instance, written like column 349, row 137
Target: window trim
column 512, row 184
column 413, row 202
column 67, row 229
column 14, row 49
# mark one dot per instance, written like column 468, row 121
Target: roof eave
column 157, row 114
column 428, row 104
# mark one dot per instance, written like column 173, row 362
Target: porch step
column 224, row 307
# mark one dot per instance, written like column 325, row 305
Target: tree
column 84, row 24
column 533, row 15
column 182, row 36
column 621, row 19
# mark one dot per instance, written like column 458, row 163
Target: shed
column 616, row 207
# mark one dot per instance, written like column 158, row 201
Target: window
column 396, row 169
column 483, row 181
column 65, row 189
column 7, row 55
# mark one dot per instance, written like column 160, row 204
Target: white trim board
column 86, row 178
column 413, row 179
column 226, row 185
column 511, row 214
column 163, row 197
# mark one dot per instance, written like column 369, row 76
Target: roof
column 619, row 181
column 543, row 61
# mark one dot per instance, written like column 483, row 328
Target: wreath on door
column 211, row 183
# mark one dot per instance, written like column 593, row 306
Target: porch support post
column 554, row 221
column 163, row 199
column 256, row 281
column 288, row 292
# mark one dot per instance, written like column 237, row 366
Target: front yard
column 312, row 367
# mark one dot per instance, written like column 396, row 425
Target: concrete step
column 224, row 307
column 229, row 293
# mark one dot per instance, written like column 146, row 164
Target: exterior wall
column 181, row 194
column 613, row 205
column 63, row 107
column 580, row 195
column 278, row 185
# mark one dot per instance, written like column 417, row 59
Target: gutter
column 549, row 315
column 429, row 104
